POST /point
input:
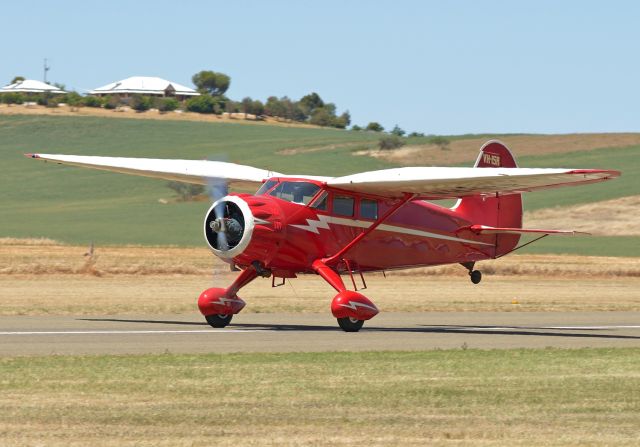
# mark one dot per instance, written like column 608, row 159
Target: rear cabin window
column 369, row 209
column 343, row 205
column 296, row 192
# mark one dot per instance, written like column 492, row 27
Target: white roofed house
column 31, row 86
column 145, row 85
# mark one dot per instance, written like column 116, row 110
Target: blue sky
column 442, row 67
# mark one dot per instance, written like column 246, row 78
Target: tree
column 416, row 134
column 275, row 107
column 397, row 131
column 17, row 79
column 322, row 117
column 376, row 127
column 344, row 120
column 211, row 82
column 310, row 103
column 253, row 107
column 356, row 127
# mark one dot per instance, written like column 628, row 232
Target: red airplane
column 366, row 222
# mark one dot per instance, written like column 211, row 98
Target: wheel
column 476, row 276
column 219, row 320
column 350, row 324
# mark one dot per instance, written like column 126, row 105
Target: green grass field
column 506, row 398
column 79, row 206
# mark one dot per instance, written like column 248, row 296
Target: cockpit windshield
column 296, row 192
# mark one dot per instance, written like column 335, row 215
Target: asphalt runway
column 140, row 334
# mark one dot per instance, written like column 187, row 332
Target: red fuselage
column 288, row 237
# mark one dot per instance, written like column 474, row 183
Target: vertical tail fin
column 500, row 210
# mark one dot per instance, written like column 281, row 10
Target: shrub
column 186, row 191
column 111, row 102
column 42, row 99
column 12, row 98
column 356, row 127
column 92, row 101
column 141, row 103
column 201, row 104
column 168, row 104
column 441, row 142
column 52, row 101
column 388, row 142
column 72, row 99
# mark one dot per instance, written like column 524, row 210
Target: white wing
column 188, row 171
column 436, row 183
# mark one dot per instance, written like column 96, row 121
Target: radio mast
column 46, row 69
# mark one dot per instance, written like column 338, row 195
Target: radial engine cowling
column 244, row 228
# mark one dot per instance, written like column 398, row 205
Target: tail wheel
column 350, row 324
column 219, row 320
column 476, row 276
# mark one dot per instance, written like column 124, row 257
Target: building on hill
column 144, row 85
column 31, row 86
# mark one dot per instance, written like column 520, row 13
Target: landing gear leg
column 351, row 309
column 476, row 275
column 218, row 305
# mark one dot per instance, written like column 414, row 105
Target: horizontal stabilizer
column 484, row 229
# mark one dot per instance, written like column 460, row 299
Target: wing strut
column 407, row 197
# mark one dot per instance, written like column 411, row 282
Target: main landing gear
column 220, row 305
column 351, row 309
column 475, row 275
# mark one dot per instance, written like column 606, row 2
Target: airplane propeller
column 218, row 188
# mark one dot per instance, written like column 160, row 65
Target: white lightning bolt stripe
column 223, row 301
column 323, row 222
column 354, row 305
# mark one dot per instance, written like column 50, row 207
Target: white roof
column 144, row 85
column 30, row 86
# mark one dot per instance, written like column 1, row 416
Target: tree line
column 212, row 86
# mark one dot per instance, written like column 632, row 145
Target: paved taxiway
column 44, row 335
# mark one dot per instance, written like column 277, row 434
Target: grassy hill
column 78, row 206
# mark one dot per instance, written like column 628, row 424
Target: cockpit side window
column 320, row 203
column 296, row 192
column 266, row 186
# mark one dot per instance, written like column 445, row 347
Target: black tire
column 350, row 324
column 218, row 320
column 476, row 276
